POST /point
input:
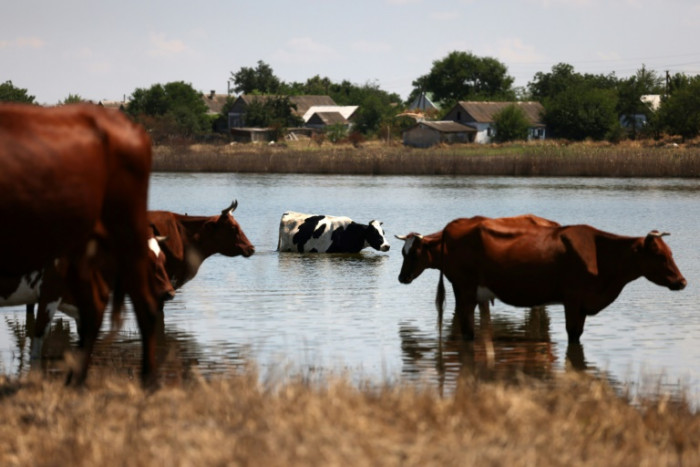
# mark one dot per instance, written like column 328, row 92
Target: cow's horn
column 231, row 208
column 161, row 238
column 656, row 233
column 401, row 237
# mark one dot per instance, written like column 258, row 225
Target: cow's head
column 415, row 258
column 161, row 286
column 375, row 236
column 656, row 262
column 223, row 235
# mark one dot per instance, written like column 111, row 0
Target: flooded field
column 322, row 314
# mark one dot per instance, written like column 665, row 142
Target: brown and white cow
column 47, row 288
column 66, row 174
column 525, row 264
column 189, row 240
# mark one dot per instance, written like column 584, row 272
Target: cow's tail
column 440, row 295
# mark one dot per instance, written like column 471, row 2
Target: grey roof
column 214, row 102
column 483, row 112
column 328, row 118
column 447, row 126
column 422, row 102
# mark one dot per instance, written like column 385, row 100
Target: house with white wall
column 480, row 115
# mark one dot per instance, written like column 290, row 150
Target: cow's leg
column 53, row 288
column 575, row 319
column 146, row 309
column 465, row 303
column 88, row 289
column 29, row 315
column 44, row 317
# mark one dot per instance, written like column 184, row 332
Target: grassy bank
column 236, row 420
column 536, row 159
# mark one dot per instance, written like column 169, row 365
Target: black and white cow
column 46, row 288
column 310, row 233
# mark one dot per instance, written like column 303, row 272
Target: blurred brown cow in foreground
column 69, row 175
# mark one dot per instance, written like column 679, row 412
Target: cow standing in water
column 309, row 233
column 67, row 175
column 189, row 240
column 47, row 288
column 525, row 264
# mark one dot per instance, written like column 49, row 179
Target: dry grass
column 237, row 420
column 528, row 159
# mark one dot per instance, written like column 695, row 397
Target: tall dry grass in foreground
column 535, row 159
column 237, row 420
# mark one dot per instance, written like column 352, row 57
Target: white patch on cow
column 484, row 294
column 408, row 244
column 27, row 291
column 385, row 244
column 153, row 245
column 69, row 309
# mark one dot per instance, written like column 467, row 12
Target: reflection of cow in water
column 308, row 233
column 47, row 288
column 507, row 347
column 523, row 263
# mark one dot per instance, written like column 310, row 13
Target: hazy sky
column 105, row 50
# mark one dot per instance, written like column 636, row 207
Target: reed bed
column 537, row 159
column 238, row 420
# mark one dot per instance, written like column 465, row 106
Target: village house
column 236, row 116
column 480, row 115
column 320, row 116
column 215, row 104
column 316, row 112
column 426, row 133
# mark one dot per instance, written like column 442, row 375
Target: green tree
column 511, row 124
column 336, row 133
column 680, row 112
column 375, row 104
column 582, row 111
column 274, row 112
column 464, row 76
column 11, row 93
column 72, row 99
column 577, row 106
column 176, row 106
column 547, row 85
column 259, row 80
column 562, row 77
column 630, row 92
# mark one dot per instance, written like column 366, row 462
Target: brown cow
column 66, row 174
column 523, row 263
column 192, row 239
column 49, row 291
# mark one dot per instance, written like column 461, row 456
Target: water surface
column 320, row 314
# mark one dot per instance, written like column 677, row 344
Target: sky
column 104, row 50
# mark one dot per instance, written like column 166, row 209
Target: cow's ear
column 650, row 239
column 582, row 248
